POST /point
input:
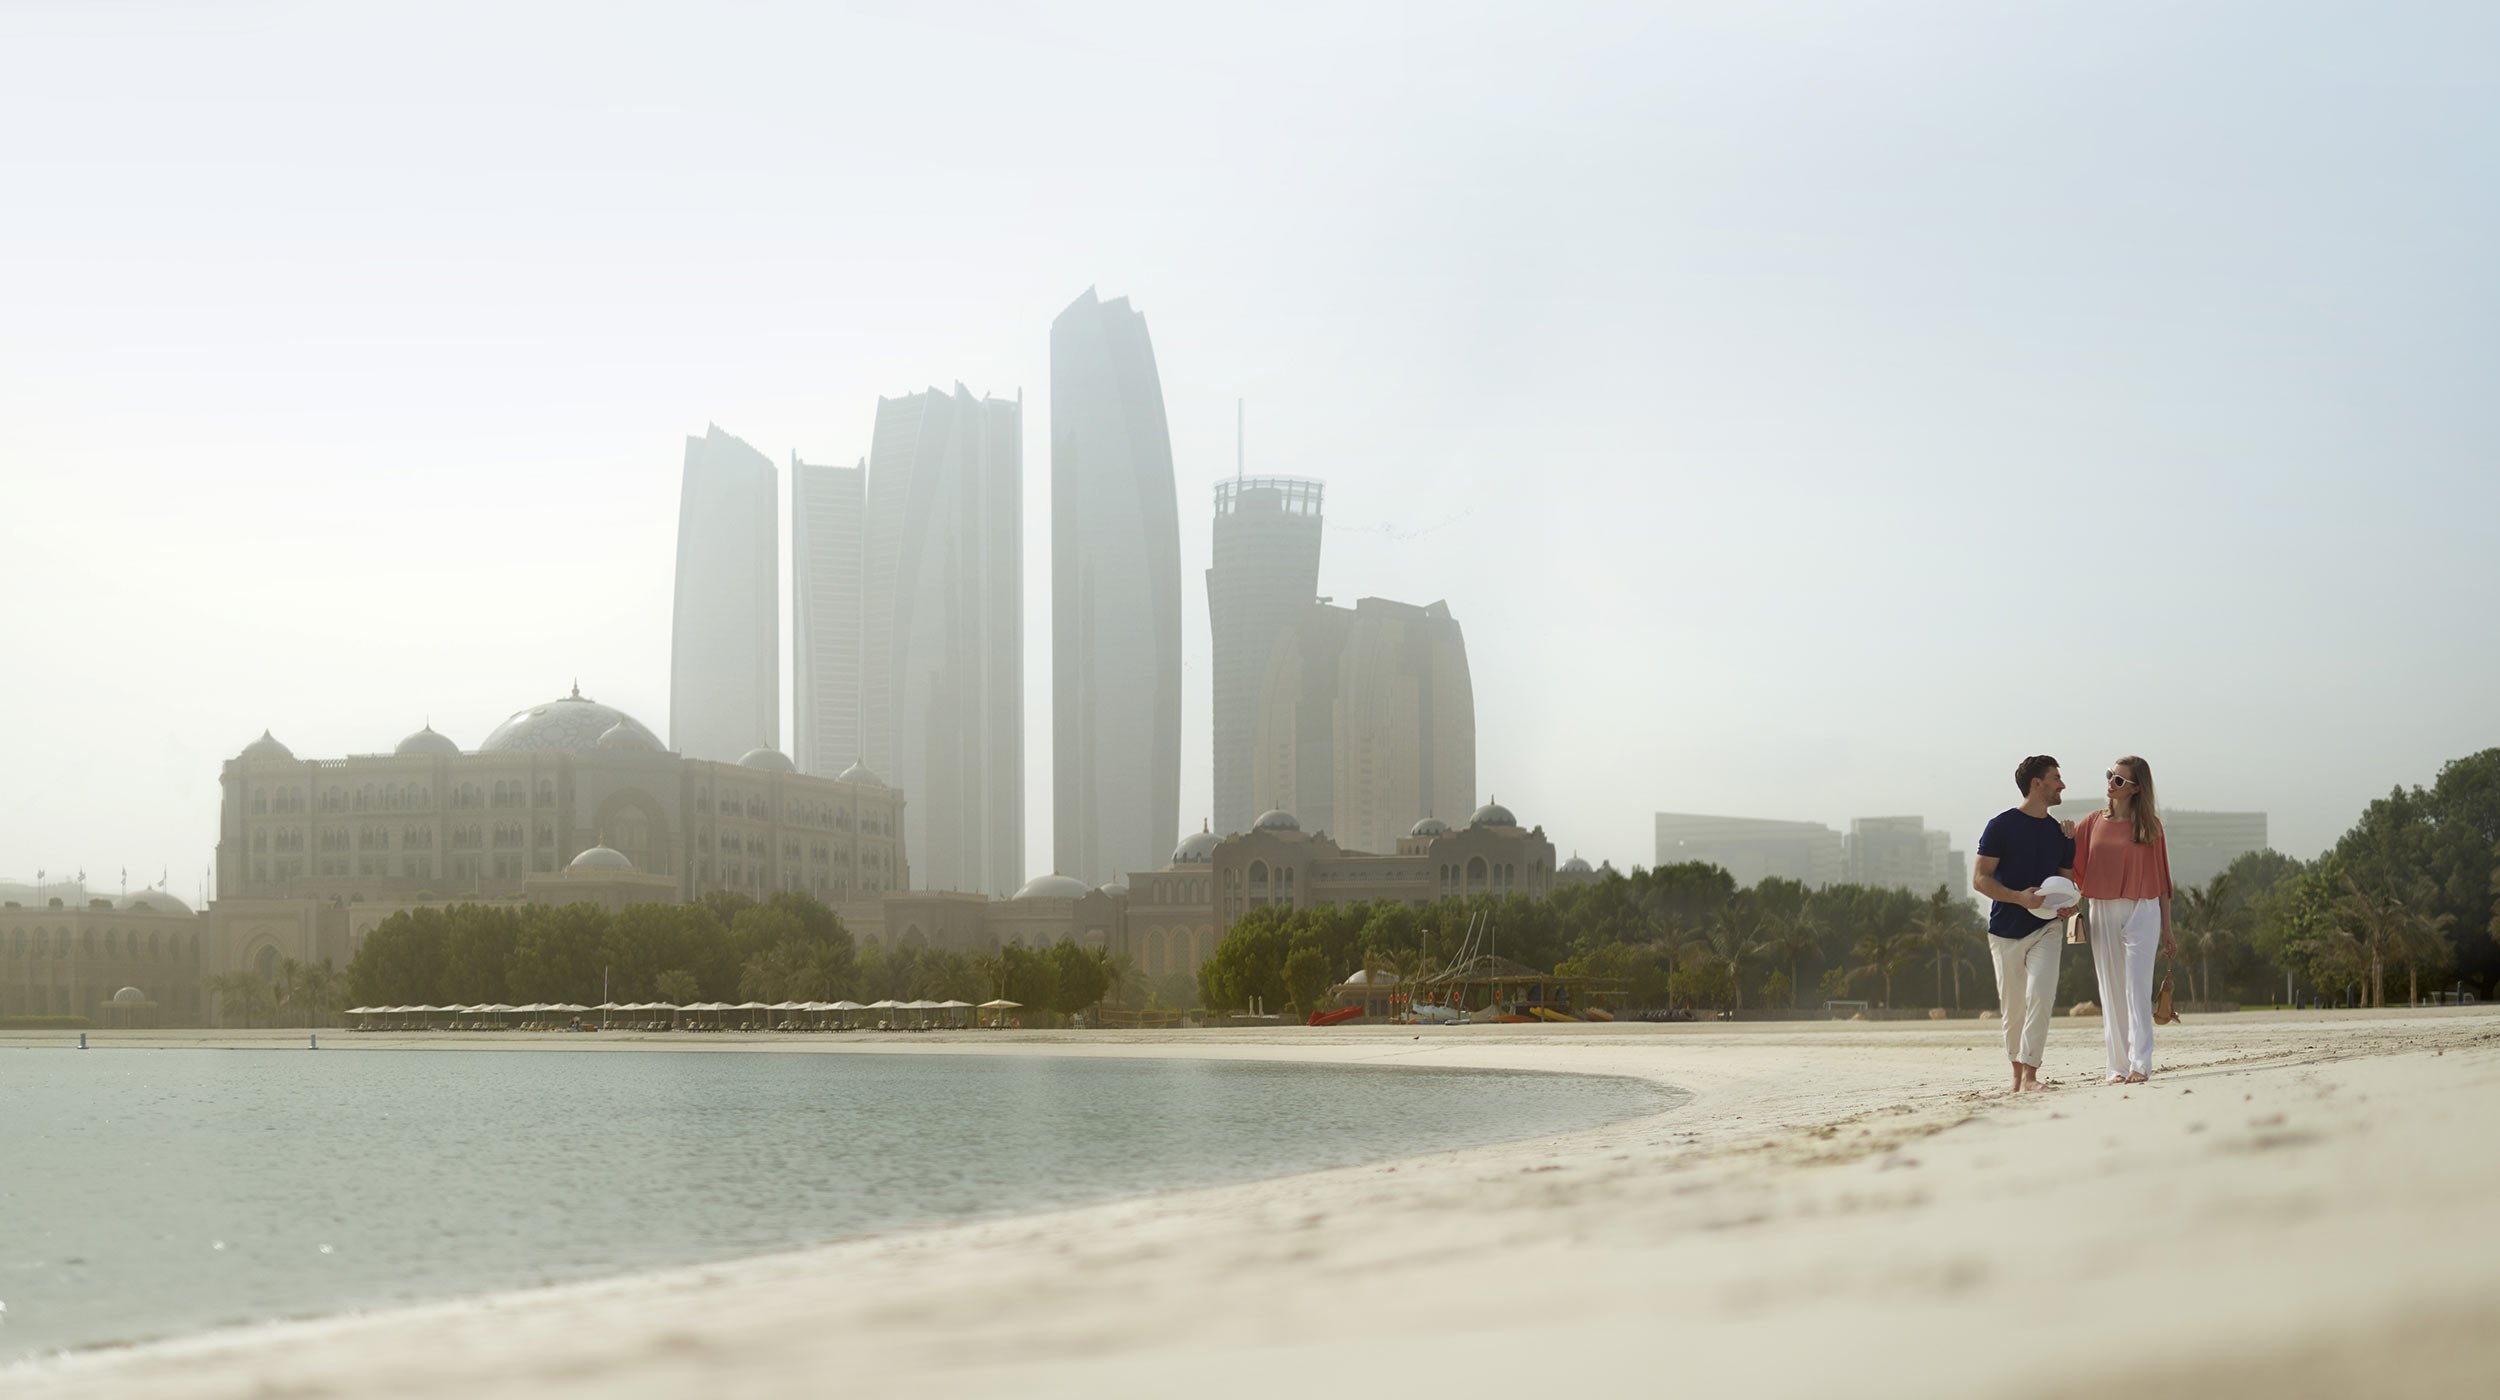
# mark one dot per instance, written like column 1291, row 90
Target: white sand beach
column 2299, row 1204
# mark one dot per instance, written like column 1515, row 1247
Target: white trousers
column 2126, row 933
column 2027, row 988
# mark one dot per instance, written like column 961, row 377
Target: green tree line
column 2407, row 903
column 725, row 947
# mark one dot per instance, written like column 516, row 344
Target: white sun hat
column 2058, row 895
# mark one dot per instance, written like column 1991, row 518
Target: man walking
column 2022, row 847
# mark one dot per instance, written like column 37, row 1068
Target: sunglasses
column 2120, row 780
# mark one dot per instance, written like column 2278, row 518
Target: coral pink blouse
column 2110, row 865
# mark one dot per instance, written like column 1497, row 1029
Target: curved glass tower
column 724, row 675
column 942, row 680
column 1115, row 598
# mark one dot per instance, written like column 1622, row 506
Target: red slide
column 1332, row 1018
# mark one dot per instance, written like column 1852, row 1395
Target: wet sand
column 2299, row 1204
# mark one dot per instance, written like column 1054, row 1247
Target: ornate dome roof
column 1429, row 826
column 427, row 743
column 767, row 757
column 858, row 773
column 157, row 900
column 1116, row 887
column 1197, row 848
column 130, row 994
column 1276, row 820
column 601, row 857
column 568, row 722
column 1577, row 866
column 1493, row 814
column 1054, row 887
column 627, row 735
column 267, row 746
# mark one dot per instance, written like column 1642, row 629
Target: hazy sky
column 1808, row 410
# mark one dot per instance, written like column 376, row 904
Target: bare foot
column 2138, row 1078
column 2115, row 1079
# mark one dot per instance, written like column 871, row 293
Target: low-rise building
column 66, row 952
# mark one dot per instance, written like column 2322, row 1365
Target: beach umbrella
column 1002, row 1004
column 848, row 1006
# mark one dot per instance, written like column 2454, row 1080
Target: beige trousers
column 2027, row 988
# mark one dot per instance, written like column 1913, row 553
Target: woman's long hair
column 2146, row 816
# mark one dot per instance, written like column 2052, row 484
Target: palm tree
column 1671, row 937
column 1944, row 929
column 1733, row 937
column 1121, row 974
column 2390, row 928
column 2206, row 921
column 2421, row 935
column 243, row 995
column 1791, row 938
column 1887, row 950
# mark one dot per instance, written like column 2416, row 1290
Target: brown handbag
column 2164, row 1013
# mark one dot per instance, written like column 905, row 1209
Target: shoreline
column 1765, row 1200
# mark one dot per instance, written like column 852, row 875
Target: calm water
column 145, row 1193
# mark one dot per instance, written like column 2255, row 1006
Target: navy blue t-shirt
column 2029, row 850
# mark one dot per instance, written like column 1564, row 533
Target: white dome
column 1276, row 820
column 1054, row 887
column 627, row 735
column 157, row 900
column 1197, row 848
column 601, row 858
column 130, row 994
column 858, row 773
column 570, row 722
column 1577, row 866
column 1493, row 814
column 1116, row 887
column 267, row 746
column 1371, row 979
column 1429, row 826
column 426, row 743
column 765, row 756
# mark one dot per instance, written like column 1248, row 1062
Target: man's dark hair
column 2029, row 769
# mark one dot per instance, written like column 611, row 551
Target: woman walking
column 2123, row 867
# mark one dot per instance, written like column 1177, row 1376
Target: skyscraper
column 828, row 508
column 1266, row 573
column 1367, row 723
column 1753, row 850
column 1902, row 853
column 724, row 680
column 1115, row 598
column 942, row 665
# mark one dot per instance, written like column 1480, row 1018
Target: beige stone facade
column 66, row 955
column 1170, row 920
column 431, row 822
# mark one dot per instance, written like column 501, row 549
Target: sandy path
column 2300, row 1205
